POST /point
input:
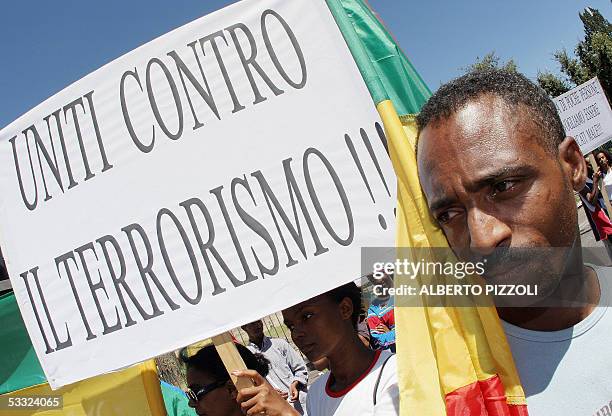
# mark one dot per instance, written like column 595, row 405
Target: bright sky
column 47, row 45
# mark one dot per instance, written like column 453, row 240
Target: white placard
column 226, row 170
column 586, row 115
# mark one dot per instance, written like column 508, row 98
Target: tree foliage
column 553, row 84
column 593, row 57
column 490, row 61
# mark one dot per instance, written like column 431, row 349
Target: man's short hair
column 514, row 88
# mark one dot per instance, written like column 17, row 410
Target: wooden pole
column 231, row 359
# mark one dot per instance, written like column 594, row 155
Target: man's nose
column 487, row 232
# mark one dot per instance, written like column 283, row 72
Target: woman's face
column 220, row 401
column 319, row 325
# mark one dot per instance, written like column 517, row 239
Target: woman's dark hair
column 606, row 154
column 207, row 360
column 351, row 291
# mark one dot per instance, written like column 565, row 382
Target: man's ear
column 572, row 163
column 346, row 308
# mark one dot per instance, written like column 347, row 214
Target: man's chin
column 513, row 273
column 517, row 289
column 520, row 275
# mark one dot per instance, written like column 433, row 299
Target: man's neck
column 581, row 287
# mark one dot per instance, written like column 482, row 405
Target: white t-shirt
column 568, row 372
column 358, row 399
column 607, row 182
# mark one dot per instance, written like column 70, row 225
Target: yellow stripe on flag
column 133, row 391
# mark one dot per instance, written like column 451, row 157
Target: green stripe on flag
column 384, row 67
column 19, row 367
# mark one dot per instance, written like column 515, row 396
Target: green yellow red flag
column 451, row 360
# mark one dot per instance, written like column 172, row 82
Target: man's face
column 602, row 160
column 493, row 187
column 254, row 330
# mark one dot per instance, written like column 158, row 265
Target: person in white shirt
column 603, row 161
column 360, row 381
column 506, row 193
column 288, row 373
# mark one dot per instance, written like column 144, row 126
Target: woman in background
column 211, row 392
column 360, row 381
column 604, row 161
column 594, row 209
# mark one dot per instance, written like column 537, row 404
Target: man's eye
column 503, row 186
column 446, row 216
column 308, row 315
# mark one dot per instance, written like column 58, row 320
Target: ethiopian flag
column 452, row 361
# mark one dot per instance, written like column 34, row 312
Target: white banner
column 228, row 169
column 586, row 115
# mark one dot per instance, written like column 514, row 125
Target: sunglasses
column 197, row 395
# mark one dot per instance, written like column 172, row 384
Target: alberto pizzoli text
column 457, row 290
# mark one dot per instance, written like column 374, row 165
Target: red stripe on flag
column 482, row 398
column 519, row 410
column 466, row 401
column 494, row 396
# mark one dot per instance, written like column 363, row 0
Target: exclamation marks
column 368, row 145
column 357, row 160
column 381, row 136
column 351, row 147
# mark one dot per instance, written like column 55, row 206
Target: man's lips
column 500, row 269
column 527, row 270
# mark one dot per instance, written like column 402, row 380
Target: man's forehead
column 485, row 124
column 475, row 134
